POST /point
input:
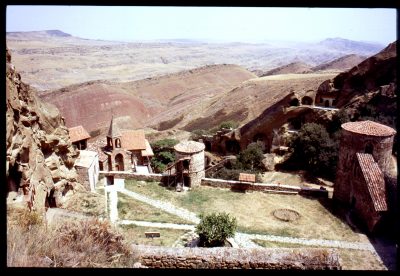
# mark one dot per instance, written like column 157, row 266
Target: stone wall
column 247, row 186
column 242, row 258
column 135, row 176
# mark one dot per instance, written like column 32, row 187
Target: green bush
column 163, row 154
column 251, row 158
column 164, row 144
column 228, row 124
column 315, row 151
column 197, row 133
column 215, row 228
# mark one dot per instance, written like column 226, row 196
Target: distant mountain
column 291, row 68
column 342, row 63
column 342, row 44
column 37, row 34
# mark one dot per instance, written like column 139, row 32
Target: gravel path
column 241, row 239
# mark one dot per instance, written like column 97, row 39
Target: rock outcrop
column 40, row 157
column 374, row 72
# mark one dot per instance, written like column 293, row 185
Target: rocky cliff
column 370, row 75
column 40, row 157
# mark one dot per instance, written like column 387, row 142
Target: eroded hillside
column 39, row 155
column 162, row 101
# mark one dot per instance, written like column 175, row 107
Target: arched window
column 369, row 148
column 117, row 143
column 119, row 162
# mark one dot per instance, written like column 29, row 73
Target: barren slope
column 291, row 68
column 342, row 63
column 91, row 104
column 247, row 101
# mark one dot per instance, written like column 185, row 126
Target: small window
column 369, row 148
column 185, row 164
column 117, row 143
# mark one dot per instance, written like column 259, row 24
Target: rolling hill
column 53, row 59
column 147, row 101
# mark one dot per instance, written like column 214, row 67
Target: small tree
column 163, row 154
column 215, row 228
column 251, row 158
column 314, row 150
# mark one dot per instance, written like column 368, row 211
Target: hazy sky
column 212, row 23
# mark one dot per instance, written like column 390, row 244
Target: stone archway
column 119, row 162
column 306, row 100
column 232, row 146
column 326, row 103
column 294, row 102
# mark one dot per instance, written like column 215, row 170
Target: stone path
column 241, row 239
column 113, row 197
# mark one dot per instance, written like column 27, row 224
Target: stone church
column 365, row 168
column 125, row 150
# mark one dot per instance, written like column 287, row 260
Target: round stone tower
column 190, row 157
column 361, row 137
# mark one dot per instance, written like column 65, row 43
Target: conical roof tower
column 113, row 131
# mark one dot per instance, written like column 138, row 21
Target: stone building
column 87, row 166
column 327, row 95
column 189, row 166
column 79, row 137
column 365, row 158
column 126, row 150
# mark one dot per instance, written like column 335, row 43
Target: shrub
column 163, row 154
column 251, row 158
column 228, row 125
column 80, row 243
column 164, row 144
column 215, row 228
column 314, row 150
column 197, row 133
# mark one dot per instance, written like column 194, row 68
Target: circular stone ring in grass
column 286, row 214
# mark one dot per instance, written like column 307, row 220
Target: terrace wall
column 242, row 258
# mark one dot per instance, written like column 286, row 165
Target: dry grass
column 131, row 209
column 253, row 211
column 86, row 243
column 135, row 234
column 88, row 203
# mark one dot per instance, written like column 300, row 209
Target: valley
column 178, row 128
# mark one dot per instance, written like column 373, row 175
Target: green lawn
column 135, row 234
column 254, row 210
column 131, row 209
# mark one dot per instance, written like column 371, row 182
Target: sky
column 219, row 24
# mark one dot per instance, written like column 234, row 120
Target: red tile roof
column 133, row 140
column 78, row 133
column 375, row 181
column 369, row 128
column 148, row 151
column 246, row 177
